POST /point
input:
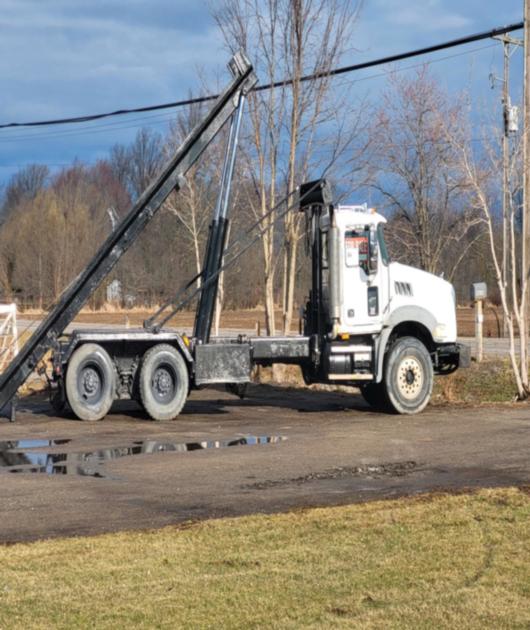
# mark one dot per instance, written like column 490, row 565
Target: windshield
column 382, row 245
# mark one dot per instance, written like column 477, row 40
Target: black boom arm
column 75, row 296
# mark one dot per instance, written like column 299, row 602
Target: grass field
column 447, row 561
column 249, row 319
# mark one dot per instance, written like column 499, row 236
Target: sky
column 62, row 58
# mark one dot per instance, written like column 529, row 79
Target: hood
column 429, row 292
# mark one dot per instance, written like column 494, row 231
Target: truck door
column 365, row 290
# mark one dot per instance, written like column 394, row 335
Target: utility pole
column 505, row 167
column 526, row 195
column 509, row 114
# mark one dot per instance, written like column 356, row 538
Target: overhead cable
column 468, row 39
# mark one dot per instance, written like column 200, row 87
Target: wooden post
column 479, row 323
column 257, row 369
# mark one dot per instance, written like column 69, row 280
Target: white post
column 479, row 322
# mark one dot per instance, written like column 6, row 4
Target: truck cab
column 377, row 324
column 378, row 292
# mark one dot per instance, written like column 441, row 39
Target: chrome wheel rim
column 410, row 378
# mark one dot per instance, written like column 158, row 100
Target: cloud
column 72, row 57
column 427, row 15
column 61, row 58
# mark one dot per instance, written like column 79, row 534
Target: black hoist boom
column 76, row 295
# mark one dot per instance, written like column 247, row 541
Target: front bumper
column 449, row 357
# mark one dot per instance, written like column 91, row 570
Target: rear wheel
column 164, row 382
column 408, row 377
column 58, row 399
column 90, row 382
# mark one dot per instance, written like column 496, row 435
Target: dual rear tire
column 91, row 379
column 90, row 382
column 164, row 382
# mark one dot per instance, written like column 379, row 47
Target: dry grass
column 440, row 562
column 486, row 382
column 240, row 319
column 249, row 318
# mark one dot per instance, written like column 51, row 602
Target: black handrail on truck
column 79, row 291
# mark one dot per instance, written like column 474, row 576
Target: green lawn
column 431, row 562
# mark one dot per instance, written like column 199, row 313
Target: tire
column 90, row 382
column 58, row 399
column 375, row 395
column 408, row 376
column 164, row 382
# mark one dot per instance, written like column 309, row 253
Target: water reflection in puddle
column 22, row 456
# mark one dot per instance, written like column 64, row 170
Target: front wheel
column 164, row 382
column 375, row 395
column 408, row 377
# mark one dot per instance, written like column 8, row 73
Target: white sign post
column 479, row 292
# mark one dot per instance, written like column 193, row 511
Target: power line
column 166, row 118
column 285, row 82
column 399, row 57
column 419, row 65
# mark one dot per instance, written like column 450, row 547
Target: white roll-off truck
column 368, row 322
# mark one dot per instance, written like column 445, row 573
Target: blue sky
column 61, row 58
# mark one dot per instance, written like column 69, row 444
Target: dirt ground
column 276, row 450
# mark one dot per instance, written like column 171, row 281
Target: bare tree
column 193, row 204
column 288, row 38
column 481, row 172
column 415, row 171
column 119, row 163
column 49, row 237
column 25, row 184
column 136, row 165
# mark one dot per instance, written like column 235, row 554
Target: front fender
column 402, row 314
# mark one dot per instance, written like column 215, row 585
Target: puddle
column 28, row 456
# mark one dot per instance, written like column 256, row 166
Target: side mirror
column 373, row 254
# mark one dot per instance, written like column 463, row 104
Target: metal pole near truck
column 479, row 292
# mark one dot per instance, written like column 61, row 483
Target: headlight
column 440, row 332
